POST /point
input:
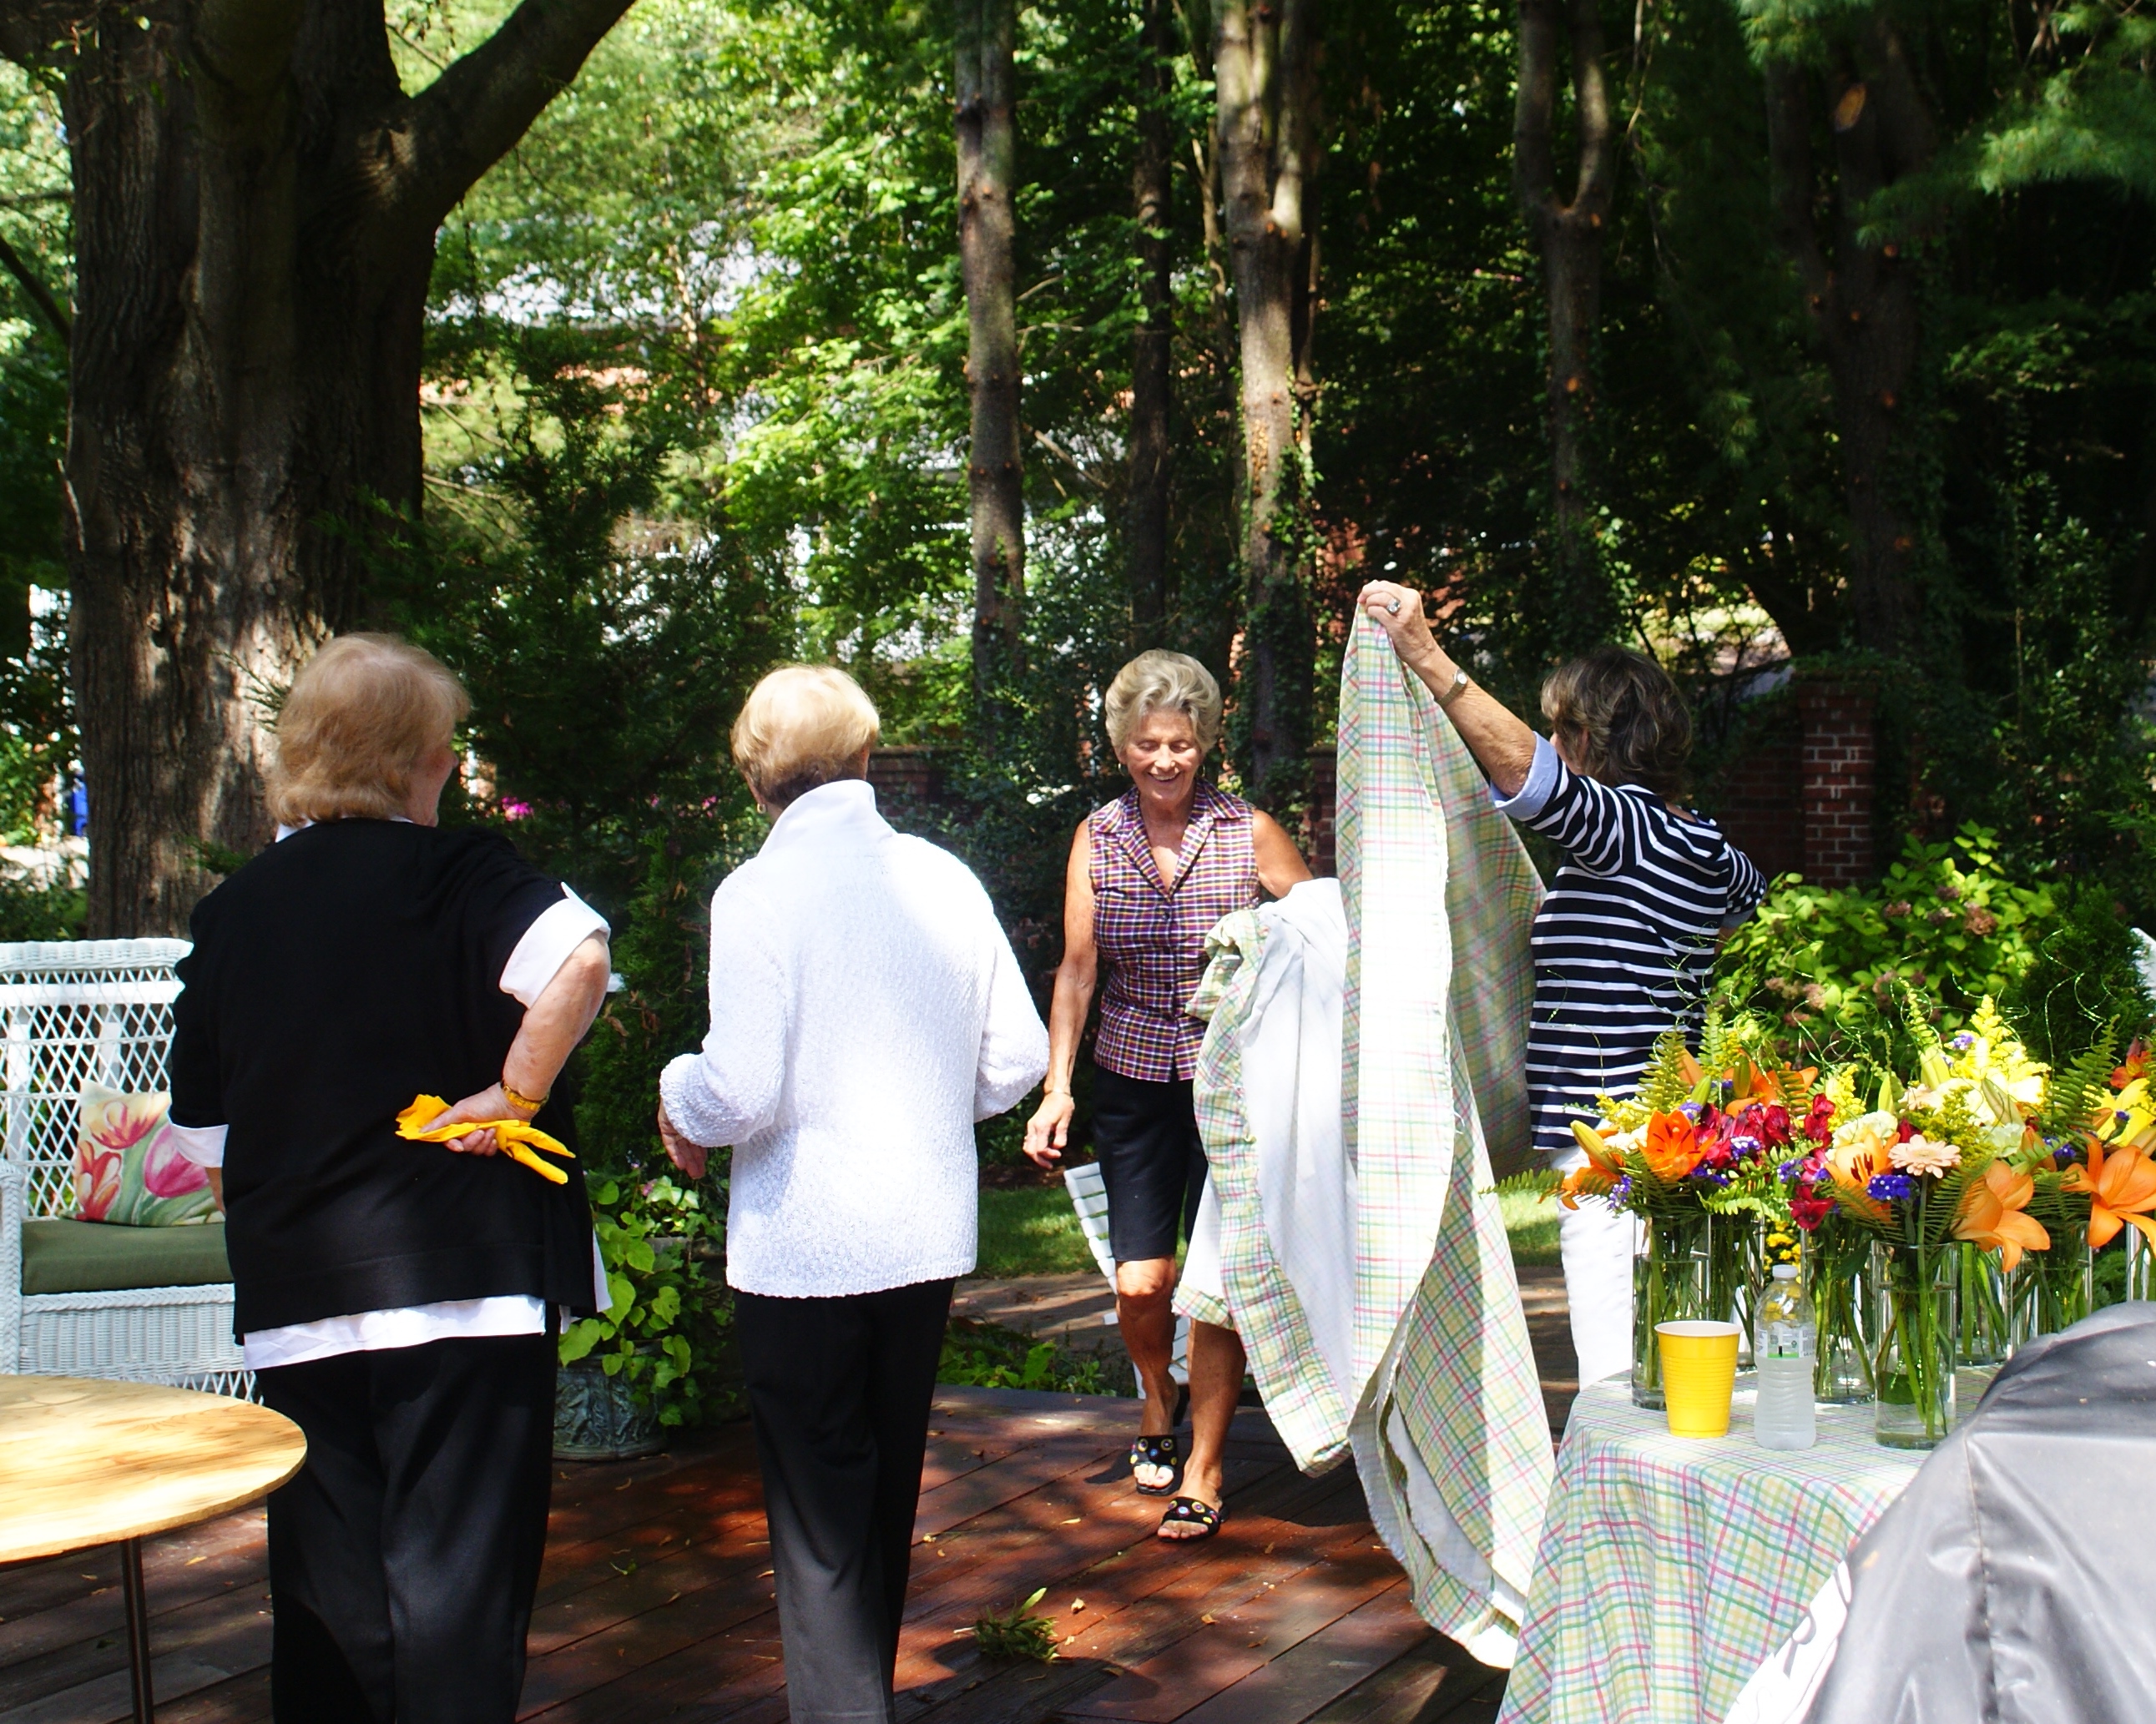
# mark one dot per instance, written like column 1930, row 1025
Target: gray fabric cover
column 2010, row 1584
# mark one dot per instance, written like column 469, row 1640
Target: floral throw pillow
column 128, row 1168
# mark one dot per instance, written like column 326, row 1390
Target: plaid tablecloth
column 1670, row 1568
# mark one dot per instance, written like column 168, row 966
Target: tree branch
column 470, row 116
column 36, row 291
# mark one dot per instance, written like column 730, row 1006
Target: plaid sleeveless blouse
column 1153, row 941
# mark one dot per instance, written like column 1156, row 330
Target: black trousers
column 838, row 1390
column 404, row 1557
column 1153, row 1163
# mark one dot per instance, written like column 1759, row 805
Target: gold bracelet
column 525, row 1102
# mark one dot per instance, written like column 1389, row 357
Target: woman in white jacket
column 866, row 1010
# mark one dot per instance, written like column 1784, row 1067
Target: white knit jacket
column 866, row 1010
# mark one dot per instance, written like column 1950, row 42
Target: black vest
column 340, row 973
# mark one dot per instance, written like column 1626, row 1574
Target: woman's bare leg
column 1144, row 1311
column 1216, row 1385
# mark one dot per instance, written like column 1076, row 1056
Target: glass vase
column 2140, row 1266
column 2050, row 1290
column 1912, row 1365
column 1735, row 1270
column 1837, row 1265
column 1984, row 1304
column 1669, row 1284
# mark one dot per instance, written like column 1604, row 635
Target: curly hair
column 357, row 725
column 1158, row 681
column 1621, row 719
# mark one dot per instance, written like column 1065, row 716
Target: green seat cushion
column 97, row 1257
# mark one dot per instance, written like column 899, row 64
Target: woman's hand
column 489, row 1104
column 1048, row 1130
column 691, row 1158
column 1397, row 610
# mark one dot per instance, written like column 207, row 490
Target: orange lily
column 1602, row 1171
column 1994, row 1214
column 2121, row 1188
column 2136, row 1066
column 1672, row 1147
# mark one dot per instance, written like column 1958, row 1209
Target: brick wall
column 1317, row 841
column 911, row 776
column 1759, row 800
column 1841, row 759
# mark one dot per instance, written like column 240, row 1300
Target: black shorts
column 1153, row 1163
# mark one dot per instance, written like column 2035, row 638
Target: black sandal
column 1162, row 1450
column 1189, row 1512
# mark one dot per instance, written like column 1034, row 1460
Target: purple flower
column 1745, row 1146
column 1690, row 1109
column 1961, row 1043
column 1891, row 1188
column 2063, row 1155
column 1622, row 1189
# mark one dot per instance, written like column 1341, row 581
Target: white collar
column 844, row 807
column 284, row 831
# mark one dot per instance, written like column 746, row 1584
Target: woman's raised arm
column 1502, row 746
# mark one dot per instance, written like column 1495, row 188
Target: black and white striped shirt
column 1625, row 940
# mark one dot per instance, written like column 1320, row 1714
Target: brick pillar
column 1840, row 763
column 1318, row 848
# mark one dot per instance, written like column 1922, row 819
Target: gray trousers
column 838, row 1391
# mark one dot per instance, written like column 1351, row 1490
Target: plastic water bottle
column 1784, row 1342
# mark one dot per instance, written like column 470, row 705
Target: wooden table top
column 90, row 1462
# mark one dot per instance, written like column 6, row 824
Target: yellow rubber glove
column 512, row 1134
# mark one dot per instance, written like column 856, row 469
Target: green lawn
column 1032, row 1230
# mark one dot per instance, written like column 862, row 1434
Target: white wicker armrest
column 11, row 1268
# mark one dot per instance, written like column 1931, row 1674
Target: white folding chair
column 1089, row 1197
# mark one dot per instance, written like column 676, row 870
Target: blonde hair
column 357, row 723
column 1164, row 682
column 802, row 726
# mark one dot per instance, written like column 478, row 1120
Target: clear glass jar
column 1669, row 1284
column 1913, row 1366
column 1837, row 1278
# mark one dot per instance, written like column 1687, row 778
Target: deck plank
column 656, row 1599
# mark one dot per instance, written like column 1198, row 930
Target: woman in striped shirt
column 1625, row 939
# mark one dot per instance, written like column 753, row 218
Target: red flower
column 1809, row 1212
column 1819, row 1121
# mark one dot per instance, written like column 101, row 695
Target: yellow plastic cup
column 1699, row 1375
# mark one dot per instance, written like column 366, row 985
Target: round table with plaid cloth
column 1670, row 1568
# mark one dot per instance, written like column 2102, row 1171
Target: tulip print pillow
column 128, row 1168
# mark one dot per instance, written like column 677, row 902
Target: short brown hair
column 359, row 720
column 802, row 726
column 1622, row 719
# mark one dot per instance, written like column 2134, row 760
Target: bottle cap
column 1785, row 1271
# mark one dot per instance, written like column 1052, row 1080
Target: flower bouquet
column 1692, row 1156
column 1924, row 1177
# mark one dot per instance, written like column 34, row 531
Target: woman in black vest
column 399, row 1301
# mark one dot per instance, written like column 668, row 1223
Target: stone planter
column 596, row 1418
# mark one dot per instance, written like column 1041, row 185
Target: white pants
column 1598, row 1245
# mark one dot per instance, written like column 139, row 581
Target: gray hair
column 1164, row 682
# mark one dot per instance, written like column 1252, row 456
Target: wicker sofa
column 80, row 1012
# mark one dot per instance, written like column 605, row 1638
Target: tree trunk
column 1266, row 86
column 256, row 200
column 1864, row 308
column 988, row 39
column 1152, row 187
column 1574, row 610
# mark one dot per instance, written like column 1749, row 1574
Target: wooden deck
column 656, row 1600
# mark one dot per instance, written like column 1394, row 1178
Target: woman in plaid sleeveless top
column 1150, row 876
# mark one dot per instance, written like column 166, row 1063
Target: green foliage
column 979, row 1355
column 1016, row 1633
column 1833, row 966
column 667, row 1328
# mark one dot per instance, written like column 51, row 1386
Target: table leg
column 138, row 1629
